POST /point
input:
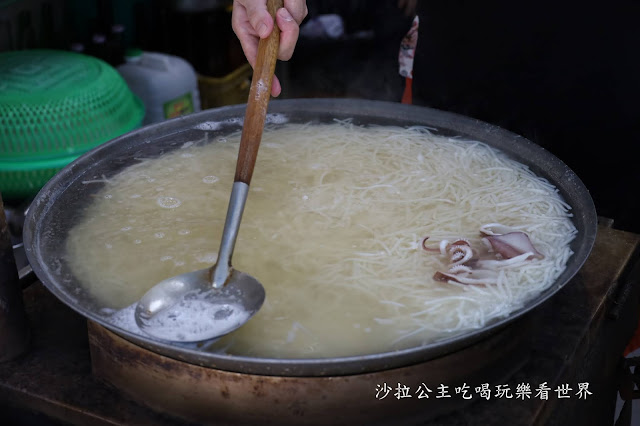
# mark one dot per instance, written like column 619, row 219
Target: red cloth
column 407, row 96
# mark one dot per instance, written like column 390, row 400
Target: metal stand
column 14, row 331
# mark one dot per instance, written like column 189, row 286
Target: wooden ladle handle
column 258, row 101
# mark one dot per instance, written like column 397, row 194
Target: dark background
column 564, row 74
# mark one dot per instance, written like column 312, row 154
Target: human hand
column 251, row 22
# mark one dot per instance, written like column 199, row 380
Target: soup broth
column 333, row 229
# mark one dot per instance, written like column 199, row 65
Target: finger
column 259, row 17
column 297, row 8
column 276, row 87
column 289, row 31
column 245, row 32
column 249, row 46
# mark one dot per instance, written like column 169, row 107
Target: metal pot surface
column 61, row 202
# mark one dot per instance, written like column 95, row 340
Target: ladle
column 208, row 303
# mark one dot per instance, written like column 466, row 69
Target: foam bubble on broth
column 194, row 319
column 333, row 234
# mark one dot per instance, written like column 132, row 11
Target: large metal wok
column 60, row 204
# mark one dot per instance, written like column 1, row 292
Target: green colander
column 23, row 179
column 56, row 103
column 55, row 106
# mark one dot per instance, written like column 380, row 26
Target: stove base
column 211, row 396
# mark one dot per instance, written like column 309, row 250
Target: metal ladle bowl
column 187, row 308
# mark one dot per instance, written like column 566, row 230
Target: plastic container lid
column 56, row 103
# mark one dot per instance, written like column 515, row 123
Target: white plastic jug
column 166, row 84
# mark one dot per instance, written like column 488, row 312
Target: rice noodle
column 333, row 229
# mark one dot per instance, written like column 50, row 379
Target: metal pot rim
column 41, row 220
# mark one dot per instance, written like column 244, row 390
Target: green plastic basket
column 56, row 103
column 23, row 179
